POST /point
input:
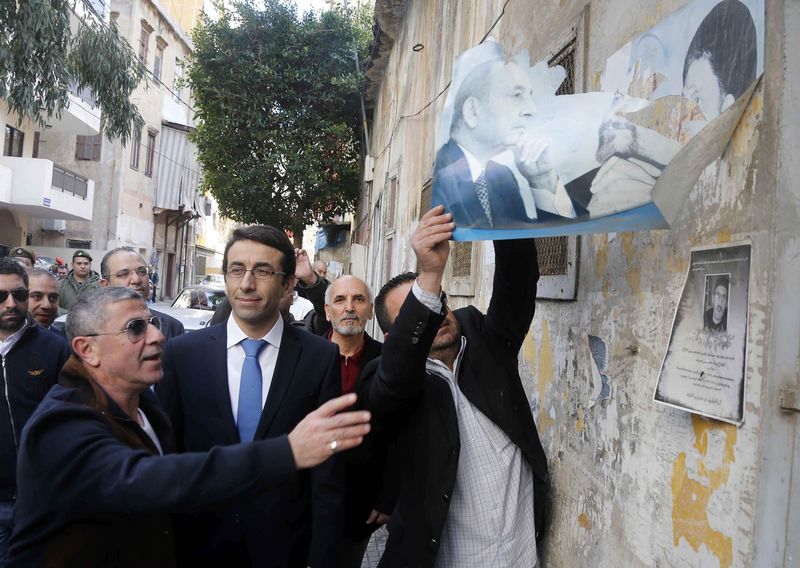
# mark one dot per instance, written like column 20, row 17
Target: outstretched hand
column 303, row 270
column 327, row 430
column 431, row 246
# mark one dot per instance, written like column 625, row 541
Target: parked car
column 44, row 261
column 195, row 305
column 204, row 298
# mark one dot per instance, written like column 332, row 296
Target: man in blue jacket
column 96, row 483
column 31, row 359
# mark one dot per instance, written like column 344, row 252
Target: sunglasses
column 19, row 295
column 135, row 329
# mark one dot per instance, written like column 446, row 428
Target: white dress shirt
column 11, row 340
column 490, row 520
column 266, row 360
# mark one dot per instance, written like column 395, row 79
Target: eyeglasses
column 135, row 329
column 141, row 272
column 19, row 294
column 259, row 272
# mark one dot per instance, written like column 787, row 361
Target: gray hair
column 104, row 270
column 90, row 310
column 329, row 294
column 42, row 272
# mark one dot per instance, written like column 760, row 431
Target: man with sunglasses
column 250, row 378
column 123, row 266
column 98, row 472
column 31, row 360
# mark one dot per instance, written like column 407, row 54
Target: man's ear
column 327, row 312
column 727, row 101
column 386, row 336
column 103, row 283
column 470, row 112
column 86, row 350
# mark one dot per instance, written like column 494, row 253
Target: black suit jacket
column 295, row 523
column 170, row 326
column 369, row 485
column 402, row 395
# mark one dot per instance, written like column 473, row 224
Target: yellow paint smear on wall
column 600, row 254
column 580, row 421
column 544, row 377
column 690, row 496
column 584, row 521
column 633, row 275
column 740, row 142
column 724, row 236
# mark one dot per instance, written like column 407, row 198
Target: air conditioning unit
column 369, row 166
column 59, row 225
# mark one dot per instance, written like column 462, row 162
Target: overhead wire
column 443, row 91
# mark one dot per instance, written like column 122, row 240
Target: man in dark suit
column 474, row 483
column 492, row 113
column 251, row 378
column 124, row 266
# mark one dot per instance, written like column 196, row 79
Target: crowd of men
column 263, row 440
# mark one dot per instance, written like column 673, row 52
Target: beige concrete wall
column 634, row 483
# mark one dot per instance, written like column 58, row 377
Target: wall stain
column 600, row 254
column 584, row 521
column 579, row 423
column 632, row 275
column 740, row 144
column 724, row 236
column 690, row 496
column 544, row 377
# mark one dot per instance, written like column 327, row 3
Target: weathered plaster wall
column 635, row 484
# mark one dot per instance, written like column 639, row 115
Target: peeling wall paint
column 634, row 483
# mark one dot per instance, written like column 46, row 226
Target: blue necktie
column 250, row 390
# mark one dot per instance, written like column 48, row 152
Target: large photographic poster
column 514, row 160
column 704, row 367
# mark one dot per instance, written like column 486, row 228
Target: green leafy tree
column 40, row 58
column 277, row 96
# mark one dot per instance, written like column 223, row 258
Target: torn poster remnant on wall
column 515, row 160
column 704, row 367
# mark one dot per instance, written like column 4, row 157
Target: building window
column 36, row 140
column 389, row 253
column 158, row 63
column 15, row 140
column 177, row 82
column 392, row 213
column 88, row 147
column 425, row 198
column 136, row 144
column 144, row 41
column 151, row 153
column 78, row 244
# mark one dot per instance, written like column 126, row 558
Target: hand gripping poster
column 704, row 367
column 514, row 160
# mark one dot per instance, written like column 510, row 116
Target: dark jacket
column 70, row 289
column 292, row 524
column 366, row 478
column 26, row 374
column 94, row 492
column 170, row 326
column 316, row 295
column 399, row 391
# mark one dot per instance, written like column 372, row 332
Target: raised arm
column 511, row 308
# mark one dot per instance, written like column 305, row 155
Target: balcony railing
column 70, row 182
